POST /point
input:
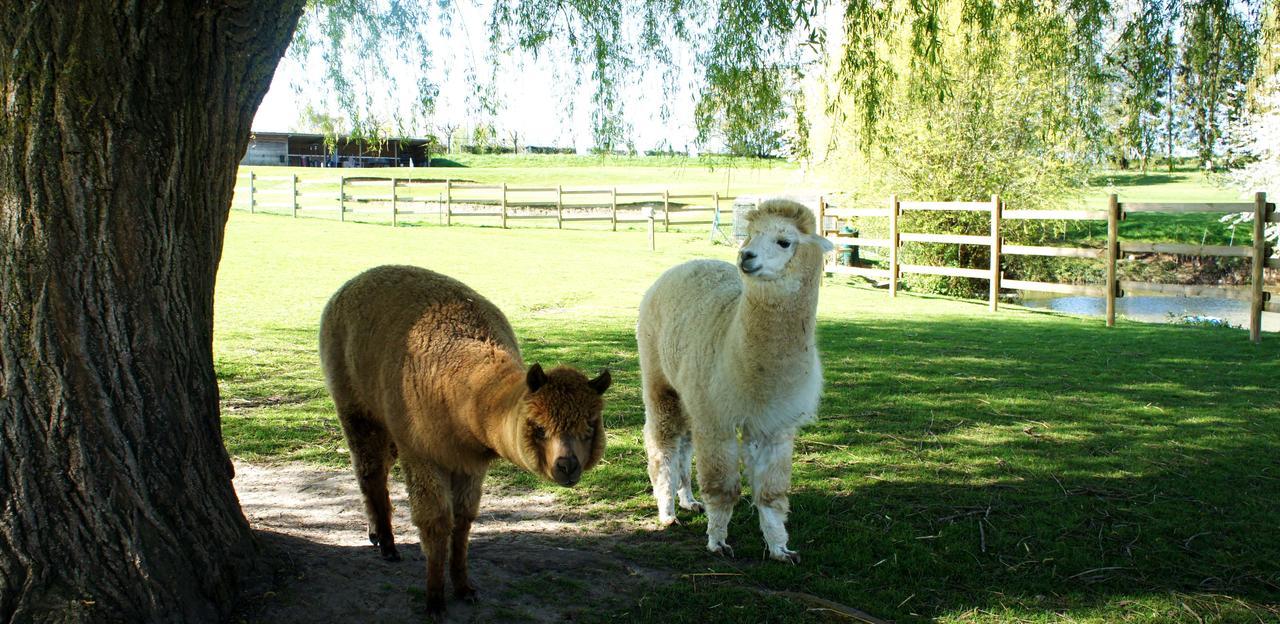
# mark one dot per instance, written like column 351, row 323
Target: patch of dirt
column 531, row 558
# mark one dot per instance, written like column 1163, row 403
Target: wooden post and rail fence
column 449, row 200
column 394, row 198
column 1258, row 251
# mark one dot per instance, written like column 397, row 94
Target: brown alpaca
column 423, row 367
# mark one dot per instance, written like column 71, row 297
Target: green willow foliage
column 1014, row 120
column 612, row 41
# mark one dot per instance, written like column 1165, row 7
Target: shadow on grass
column 1021, row 466
column 989, row 468
column 1138, row 178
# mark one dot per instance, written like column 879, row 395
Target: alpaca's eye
column 591, row 431
column 784, row 243
column 539, row 433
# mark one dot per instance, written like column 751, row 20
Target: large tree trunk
column 123, row 125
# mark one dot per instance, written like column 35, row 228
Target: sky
column 547, row 101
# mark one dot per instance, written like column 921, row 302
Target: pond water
column 1153, row 308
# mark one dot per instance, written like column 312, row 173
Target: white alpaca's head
column 777, row 231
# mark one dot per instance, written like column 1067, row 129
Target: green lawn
column 966, row 466
column 727, row 176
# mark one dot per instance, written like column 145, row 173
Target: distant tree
column 447, row 130
column 1219, row 51
column 745, row 109
column 1138, row 70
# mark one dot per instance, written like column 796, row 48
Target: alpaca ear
column 601, row 382
column 822, row 242
column 536, row 378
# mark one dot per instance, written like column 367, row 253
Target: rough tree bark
column 123, row 125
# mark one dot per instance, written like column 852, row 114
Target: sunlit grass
column 966, row 466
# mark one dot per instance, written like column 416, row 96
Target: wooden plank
column 1059, row 215
column 530, row 189
column 955, row 206
column 457, row 214
column 860, row 271
column 585, row 192
column 477, row 187
column 1065, row 289
column 679, row 209
column 1191, row 207
column 550, row 215
column 860, row 242
column 1257, row 297
column 1273, row 263
column 687, row 196
column 845, row 213
column 947, row 271
column 1240, row 293
column 639, row 193
column 692, row 222
column 1062, row 252
column 1233, row 251
column 954, row 239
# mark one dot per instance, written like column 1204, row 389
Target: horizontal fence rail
column 1258, row 252
column 449, row 200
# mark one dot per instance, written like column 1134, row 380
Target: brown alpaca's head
column 564, row 430
column 780, row 239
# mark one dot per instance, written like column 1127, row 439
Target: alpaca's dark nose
column 568, row 470
column 745, row 258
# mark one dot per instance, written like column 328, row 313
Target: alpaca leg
column 768, row 460
column 684, row 463
column 431, row 500
column 372, row 454
column 720, row 482
column 466, row 504
column 664, row 425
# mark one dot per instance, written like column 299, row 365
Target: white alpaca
column 727, row 350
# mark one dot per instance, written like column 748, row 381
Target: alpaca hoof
column 435, row 608
column 722, row 549
column 783, row 553
column 668, row 522
column 373, row 539
column 695, row 507
column 467, row 593
column 390, row 553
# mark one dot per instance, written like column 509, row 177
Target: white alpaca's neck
column 775, row 320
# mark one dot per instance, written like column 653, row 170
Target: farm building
column 298, row 149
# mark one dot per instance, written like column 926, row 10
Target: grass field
column 965, row 467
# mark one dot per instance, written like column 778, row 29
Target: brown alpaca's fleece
column 422, row 367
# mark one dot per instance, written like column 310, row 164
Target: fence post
column 715, row 214
column 253, row 177
column 666, row 210
column 342, row 198
column 559, row 207
column 613, row 214
column 448, row 202
column 393, row 202
column 504, row 205
column 893, row 245
column 294, row 195
column 996, row 210
column 649, row 213
column 1113, row 253
column 1260, row 215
